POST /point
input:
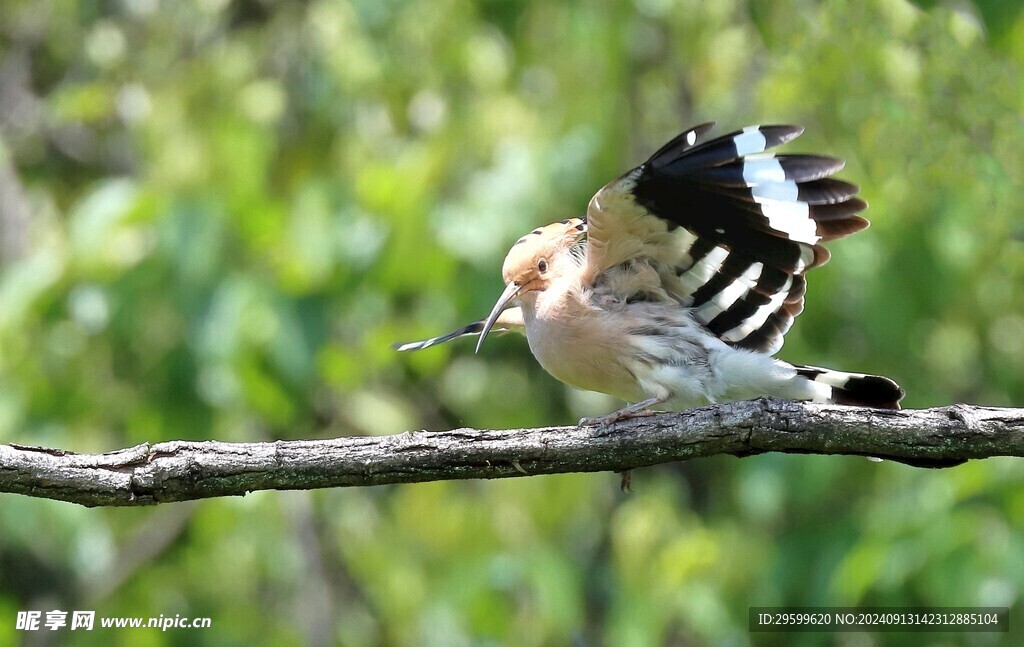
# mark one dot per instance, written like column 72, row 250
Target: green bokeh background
column 217, row 216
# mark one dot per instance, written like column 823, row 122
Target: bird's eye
column 542, row 266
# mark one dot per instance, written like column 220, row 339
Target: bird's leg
column 627, row 481
column 637, row 410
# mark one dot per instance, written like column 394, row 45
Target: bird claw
column 599, row 422
column 609, row 419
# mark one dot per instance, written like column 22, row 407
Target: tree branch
column 180, row 470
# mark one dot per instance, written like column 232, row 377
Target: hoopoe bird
column 681, row 281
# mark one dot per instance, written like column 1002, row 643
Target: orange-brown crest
column 548, row 243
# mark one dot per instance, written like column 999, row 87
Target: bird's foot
column 638, row 410
column 613, row 417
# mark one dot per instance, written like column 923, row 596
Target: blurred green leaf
column 236, row 207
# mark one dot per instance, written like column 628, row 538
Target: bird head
column 534, row 262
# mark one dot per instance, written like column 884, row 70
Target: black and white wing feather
column 731, row 227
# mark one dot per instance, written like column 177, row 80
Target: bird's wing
column 511, row 320
column 731, row 228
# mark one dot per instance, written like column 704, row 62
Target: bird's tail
column 857, row 389
column 863, row 390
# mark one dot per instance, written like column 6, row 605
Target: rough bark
column 179, row 471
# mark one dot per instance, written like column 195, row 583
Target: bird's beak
column 511, row 292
